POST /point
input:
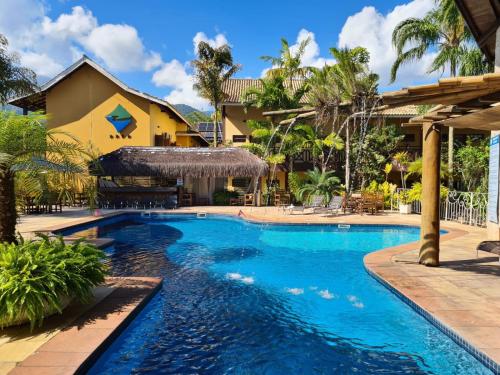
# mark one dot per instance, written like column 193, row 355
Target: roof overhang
column 462, row 102
column 483, row 19
column 36, row 101
column 175, row 162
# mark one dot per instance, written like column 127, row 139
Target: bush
column 386, row 188
column 415, row 193
column 295, row 183
column 222, row 197
column 37, row 277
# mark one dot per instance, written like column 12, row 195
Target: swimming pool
column 248, row 298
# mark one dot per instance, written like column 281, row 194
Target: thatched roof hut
column 181, row 162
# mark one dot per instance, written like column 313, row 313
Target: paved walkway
column 463, row 293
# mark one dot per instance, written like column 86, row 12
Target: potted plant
column 41, row 277
column 404, row 202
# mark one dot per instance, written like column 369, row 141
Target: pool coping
column 369, row 262
column 75, row 349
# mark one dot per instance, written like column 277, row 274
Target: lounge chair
column 334, row 205
column 316, row 202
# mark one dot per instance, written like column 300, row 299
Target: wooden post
column 431, row 163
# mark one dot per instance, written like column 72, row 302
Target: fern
column 35, row 276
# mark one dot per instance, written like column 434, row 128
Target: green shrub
column 222, row 197
column 415, row 193
column 295, row 183
column 386, row 188
column 37, row 276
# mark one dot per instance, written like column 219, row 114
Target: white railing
column 460, row 206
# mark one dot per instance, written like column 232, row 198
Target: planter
column 23, row 318
column 405, row 209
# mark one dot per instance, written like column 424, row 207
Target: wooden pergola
column 460, row 102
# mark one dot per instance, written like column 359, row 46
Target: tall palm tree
column 26, row 145
column 15, row 80
column 442, row 29
column 289, row 63
column 349, row 80
column 213, row 67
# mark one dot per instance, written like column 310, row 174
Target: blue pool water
column 244, row 298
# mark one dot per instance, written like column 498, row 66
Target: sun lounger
column 316, row 202
column 490, row 247
column 334, row 205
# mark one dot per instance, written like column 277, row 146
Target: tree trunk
column 451, row 138
column 429, row 229
column 215, row 125
column 8, row 214
column 450, row 156
column 347, row 160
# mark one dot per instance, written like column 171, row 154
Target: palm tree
column 313, row 141
column 444, row 30
column 15, row 80
column 26, row 145
column 348, row 80
column 288, row 64
column 213, row 67
column 324, row 184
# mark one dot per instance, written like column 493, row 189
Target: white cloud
column 41, row 63
column 311, row 56
column 179, row 77
column 47, row 45
column 373, row 30
column 217, row 41
column 120, row 47
column 175, row 75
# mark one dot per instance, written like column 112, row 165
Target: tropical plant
column 472, row 164
column 312, row 140
column 387, row 170
column 273, row 94
column 379, row 145
column 442, row 29
column 223, row 197
column 350, row 81
column 213, row 67
column 414, row 169
column 319, row 183
column 14, row 79
column 415, row 193
column 402, row 160
column 386, row 188
column 36, row 277
column 289, row 63
column 295, row 182
column 27, row 146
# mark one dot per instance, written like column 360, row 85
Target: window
column 241, row 182
column 239, row 138
column 409, row 138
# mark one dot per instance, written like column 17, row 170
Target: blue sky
column 149, row 43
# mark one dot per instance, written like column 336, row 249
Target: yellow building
column 82, row 99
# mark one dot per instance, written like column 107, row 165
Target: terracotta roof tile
column 235, row 87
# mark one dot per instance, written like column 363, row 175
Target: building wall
column 234, row 121
column 79, row 104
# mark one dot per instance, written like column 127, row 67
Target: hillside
column 193, row 115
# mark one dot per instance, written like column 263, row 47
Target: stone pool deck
column 462, row 296
column 70, row 342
